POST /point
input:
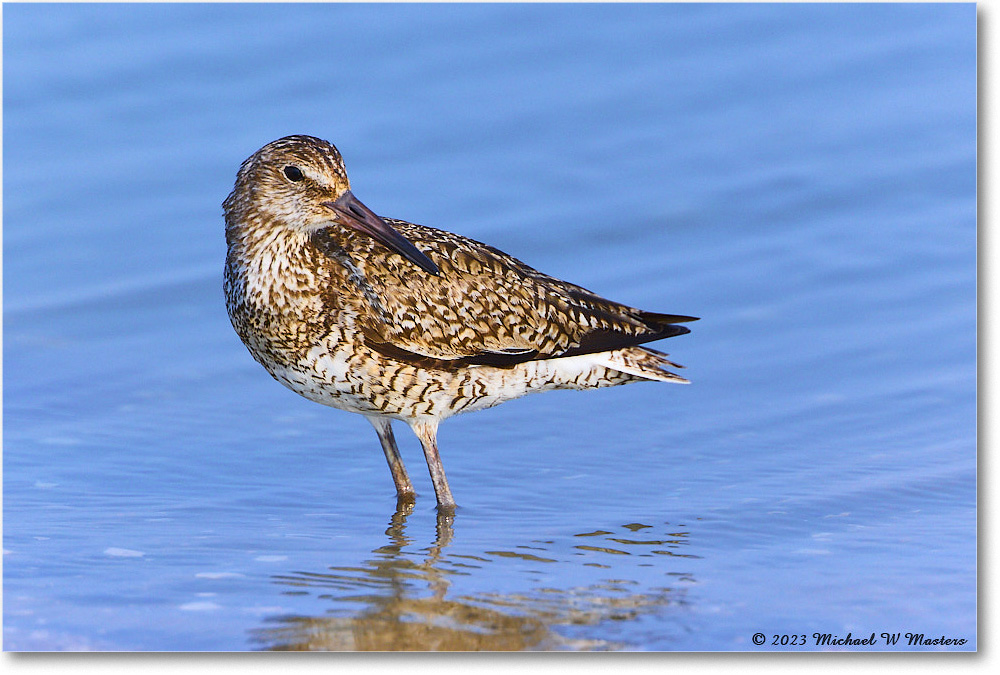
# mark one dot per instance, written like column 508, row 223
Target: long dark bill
column 356, row 215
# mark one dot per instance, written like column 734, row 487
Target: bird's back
column 484, row 307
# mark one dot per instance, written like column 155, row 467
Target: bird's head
column 300, row 183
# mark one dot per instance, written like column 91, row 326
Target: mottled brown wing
column 486, row 307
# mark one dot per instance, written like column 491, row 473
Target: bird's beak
column 356, row 215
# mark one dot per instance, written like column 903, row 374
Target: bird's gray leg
column 404, row 488
column 427, row 433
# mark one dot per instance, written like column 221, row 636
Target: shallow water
column 801, row 177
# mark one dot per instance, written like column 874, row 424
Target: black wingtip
column 667, row 318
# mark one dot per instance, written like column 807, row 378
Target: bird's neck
column 272, row 269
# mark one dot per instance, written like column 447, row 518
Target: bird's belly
column 349, row 376
column 369, row 383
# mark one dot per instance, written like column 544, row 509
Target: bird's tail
column 643, row 363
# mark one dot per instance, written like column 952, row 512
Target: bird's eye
column 294, row 173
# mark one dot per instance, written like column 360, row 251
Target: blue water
column 802, row 177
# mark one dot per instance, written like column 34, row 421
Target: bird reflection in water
column 398, row 600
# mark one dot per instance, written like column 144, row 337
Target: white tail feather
column 642, row 362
